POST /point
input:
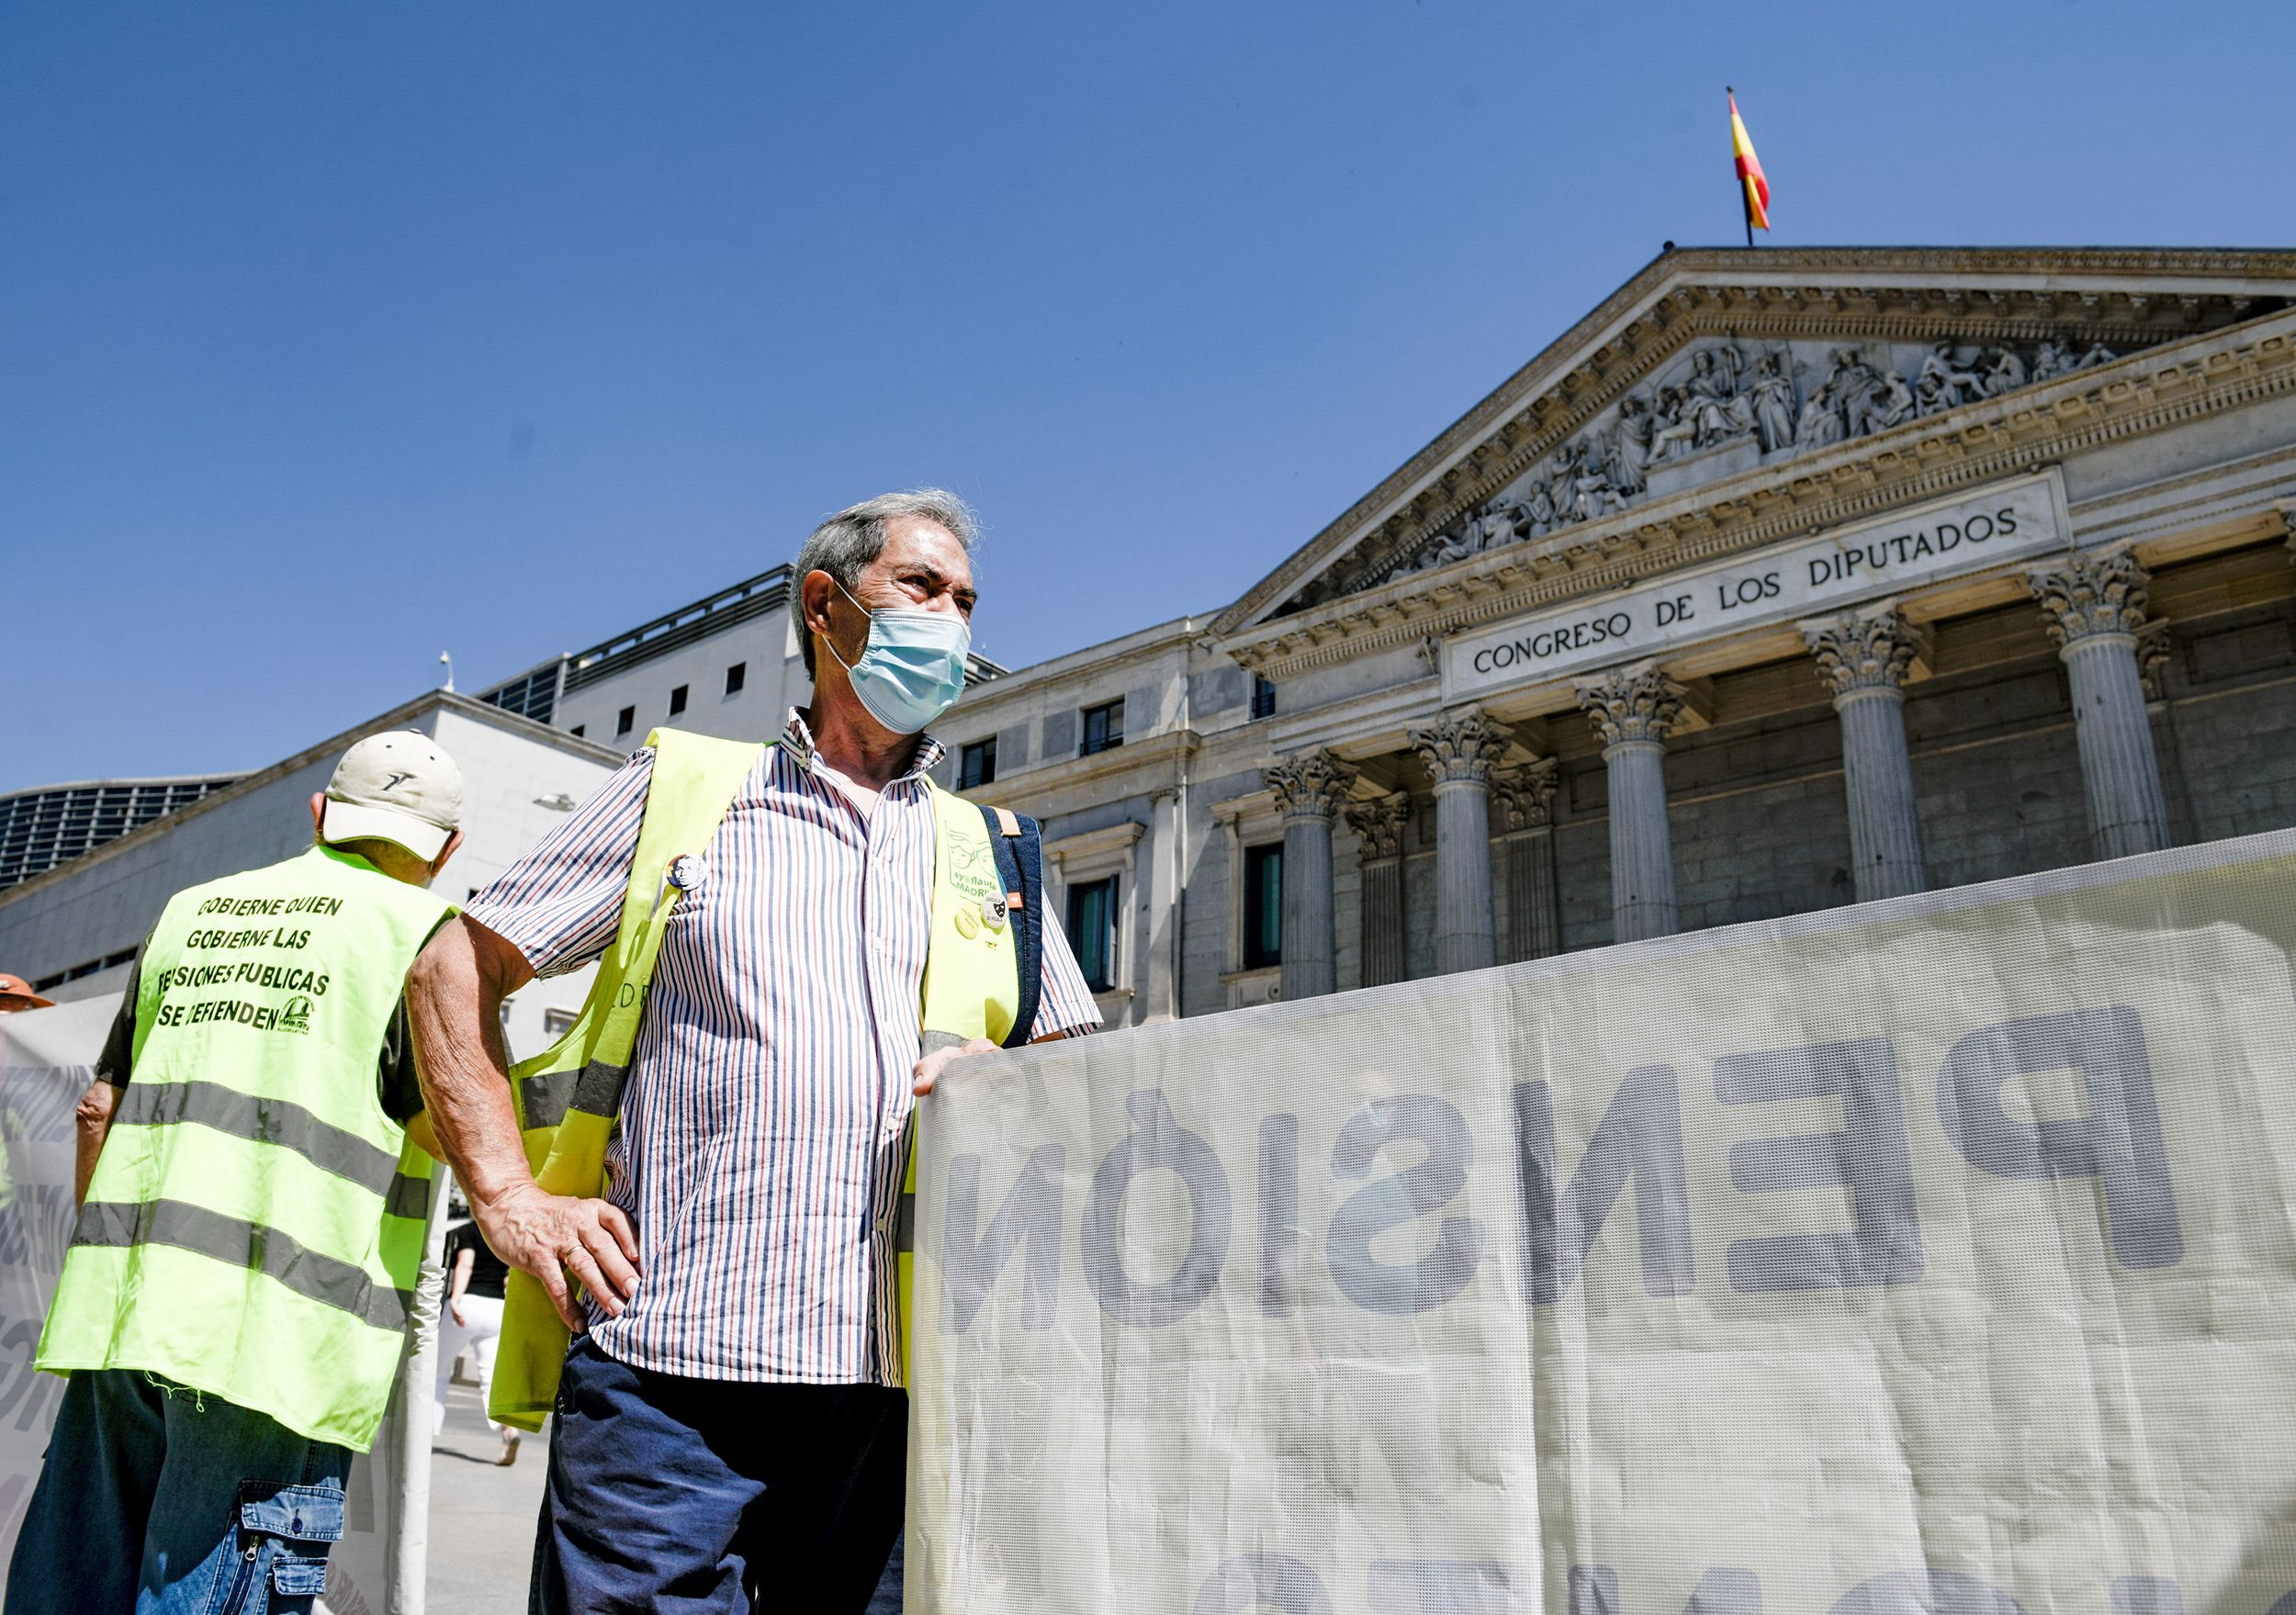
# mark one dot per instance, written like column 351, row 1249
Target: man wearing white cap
column 233, row 1300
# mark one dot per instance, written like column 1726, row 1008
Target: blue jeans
column 156, row 1499
column 717, row 1496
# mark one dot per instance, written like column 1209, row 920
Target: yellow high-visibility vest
column 978, row 958
column 254, row 1226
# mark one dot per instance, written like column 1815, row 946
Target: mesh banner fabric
column 1935, row 1255
column 47, row 1058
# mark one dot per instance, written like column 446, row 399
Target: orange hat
column 17, row 987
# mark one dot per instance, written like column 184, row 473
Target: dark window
column 624, row 720
column 1104, row 728
column 1263, row 906
column 1262, row 697
column 577, row 730
column 678, row 700
column 1092, row 931
column 736, row 676
column 976, row 763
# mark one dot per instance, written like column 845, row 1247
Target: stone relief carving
column 1312, row 783
column 1527, row 794
column 1629, row 705
column 1868, row 650
column 1381, row 822
column 1462, row 746
column 2084, row 596
column 1730, row 394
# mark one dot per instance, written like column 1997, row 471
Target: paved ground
column 482, row 1517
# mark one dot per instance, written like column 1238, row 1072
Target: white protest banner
column 1936, row 1255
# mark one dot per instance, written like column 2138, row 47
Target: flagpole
column 1745, row 204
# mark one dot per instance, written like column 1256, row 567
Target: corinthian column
column 1634, row 708
column 1308, row 789
column 2095, row 605
column 1863, row 657
column 1379, row 827
column 1526, row 799
column 1459, row 752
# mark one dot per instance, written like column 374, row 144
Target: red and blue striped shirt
column 760, row 1151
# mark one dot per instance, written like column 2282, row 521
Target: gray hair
column 845, row 544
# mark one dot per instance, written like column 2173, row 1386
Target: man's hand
column 926, row 1071
column 554, row 1235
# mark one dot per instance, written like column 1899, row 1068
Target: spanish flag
column 1750, row 176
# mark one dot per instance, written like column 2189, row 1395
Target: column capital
column 1381, row 824
column 1864, row 650
column 2090, row 596
column 1309, row 785
column 1463, row 746
column 1636, row 702
column 2152, row 658
column 1527, row 794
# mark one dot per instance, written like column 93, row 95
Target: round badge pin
column 993, row 910
column 968, row 924
column 687, row 872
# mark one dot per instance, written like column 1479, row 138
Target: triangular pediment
column 1714, row 364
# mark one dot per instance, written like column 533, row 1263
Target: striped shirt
column 760, row 1151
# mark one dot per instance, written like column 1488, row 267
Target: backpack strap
column 1019, row 850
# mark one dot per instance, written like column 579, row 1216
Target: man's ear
column 444, row 853
column 814, row 592
column 319, row 814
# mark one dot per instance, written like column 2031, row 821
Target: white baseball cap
column 396, row 787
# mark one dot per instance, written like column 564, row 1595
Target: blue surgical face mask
column 912, row 666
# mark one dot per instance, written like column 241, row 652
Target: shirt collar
column 797, row 740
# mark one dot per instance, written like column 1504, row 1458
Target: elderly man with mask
column 729, row 1416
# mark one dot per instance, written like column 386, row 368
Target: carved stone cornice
column 1310, row 785
column 2089, row 595
column 1527, row 794
column 1864, row 650
column 1923, row 459
column 1631, row 705
column 1464, row 746
column 1381, row 824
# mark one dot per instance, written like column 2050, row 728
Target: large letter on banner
column 1931, row 1254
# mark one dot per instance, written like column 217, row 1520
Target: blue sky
column 332, row 337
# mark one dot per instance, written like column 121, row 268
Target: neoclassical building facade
column 1785, row 578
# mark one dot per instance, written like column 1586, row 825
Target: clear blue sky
column 332, row 336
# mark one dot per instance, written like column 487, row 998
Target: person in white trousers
column 473, row 1320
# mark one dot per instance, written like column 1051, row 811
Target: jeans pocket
column 284, row 1533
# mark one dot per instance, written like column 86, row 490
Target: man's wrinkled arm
column 454, row 1008
column 455, row 996
column 92, row 1123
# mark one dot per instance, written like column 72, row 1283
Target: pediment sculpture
column 1724, row 397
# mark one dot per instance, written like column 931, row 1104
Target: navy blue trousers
column 710, row 1496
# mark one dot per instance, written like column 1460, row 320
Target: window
column 577, row 731
column 557, row 1023
column 678, row 700
column 1263, row 906
column 1262, row 697
column 1104, row 728
column 736, row 676
column 624, row 721
column 976, row 763
column 1092, row 931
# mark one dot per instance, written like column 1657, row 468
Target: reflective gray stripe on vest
column 905, row 1226
column 324, row 1279
column 596, row 1088
column 409, row 1197
column 264, row 1121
